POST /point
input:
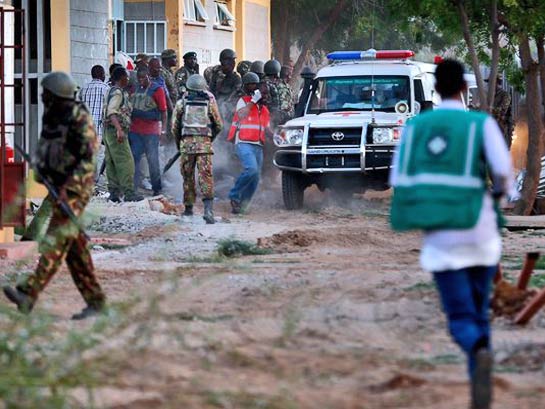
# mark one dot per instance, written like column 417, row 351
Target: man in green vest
column 440, row 187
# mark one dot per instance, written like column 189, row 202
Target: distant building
column 203, row 26
column 74, row 35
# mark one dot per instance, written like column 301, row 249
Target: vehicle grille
column 333, row 161
column 322, row 137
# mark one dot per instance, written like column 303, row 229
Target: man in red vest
column 247, row 132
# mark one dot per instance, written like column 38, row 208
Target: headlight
column 383, row 135
column 289, row 136
column 387, row 135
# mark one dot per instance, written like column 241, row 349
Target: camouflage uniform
column 170, row 83
column 66, row 156
column 501, row 111
column 279, row 101
column 196, row 145
column 226, row 89
column 181, row 77
column 119, row 159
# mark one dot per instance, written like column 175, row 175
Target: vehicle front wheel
column 293, row 190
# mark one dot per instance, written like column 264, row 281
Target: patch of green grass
column 421, row 286
column 419, row 364
column 540, row 264
column 245, row 400
column 507, row 369
column 446, row 359
column 213, row 258
column 292, row 318
column 537, row 280
column 234, row 248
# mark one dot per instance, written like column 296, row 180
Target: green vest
column 441, row 172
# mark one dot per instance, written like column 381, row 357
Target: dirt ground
column 336, row 315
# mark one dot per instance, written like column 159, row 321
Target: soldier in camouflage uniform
column 243, row 67
column 225, row 84
column 169, row 60
column 196, row 122
column 501, row 111
column 258, row 67
column 280, row 100
column 189, row 68
column 117, row 121
column 66, row 157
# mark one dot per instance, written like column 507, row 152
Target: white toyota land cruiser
column 355, row 109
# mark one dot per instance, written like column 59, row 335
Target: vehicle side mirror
column 426, row 106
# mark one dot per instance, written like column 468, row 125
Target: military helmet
column 168, row 53
column 272, row 67
column 243, row 67
column 60, row 84
column 250, row 78
column 258, row 67
column 227, row 53
column 190, row 54
column 196, row 82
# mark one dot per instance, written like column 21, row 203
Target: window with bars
column 149, row 37
column 223, row 15
column 194, row 11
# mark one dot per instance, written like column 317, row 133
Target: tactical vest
column 252, row 128
column 196, row 120
column 124, row 116
column 143, row 104
column 56, row 157
column 440, row 172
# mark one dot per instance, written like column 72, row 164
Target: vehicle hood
column 347, row 118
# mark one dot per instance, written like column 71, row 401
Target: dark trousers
column 148, row 145
column 465, row 296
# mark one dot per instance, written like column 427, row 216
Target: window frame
column 197, row 12
column 157, row 48
column 222, row 8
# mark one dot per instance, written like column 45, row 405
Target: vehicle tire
column 293, row 190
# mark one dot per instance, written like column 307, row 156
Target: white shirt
column 480, row 245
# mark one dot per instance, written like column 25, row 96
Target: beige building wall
column 257, row 36
column 205, row 39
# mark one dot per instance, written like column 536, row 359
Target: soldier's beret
column 168, row 53
column 190, row 54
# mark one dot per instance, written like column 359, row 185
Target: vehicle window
column 363, row 93
column 419, row 91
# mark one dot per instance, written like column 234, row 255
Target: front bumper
column 335, row 159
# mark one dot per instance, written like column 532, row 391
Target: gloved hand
column 257, row 96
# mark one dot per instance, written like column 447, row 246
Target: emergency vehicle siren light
column 370, row 54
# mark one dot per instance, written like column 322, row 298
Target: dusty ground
column 337, row 315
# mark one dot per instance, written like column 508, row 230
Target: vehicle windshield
column 356, row 93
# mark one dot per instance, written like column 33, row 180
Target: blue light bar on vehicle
column 370, row 54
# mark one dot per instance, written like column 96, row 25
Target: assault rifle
column 171, row 162
column 65, row 208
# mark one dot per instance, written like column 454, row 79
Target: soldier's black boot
column 133, row 197
column 114, row 197
column 87, row 312
column 188, row 210
column 208, row 211
column 24, row 302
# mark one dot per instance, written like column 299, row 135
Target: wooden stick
column 531, row 309
column 499, row 275
column 527, row 270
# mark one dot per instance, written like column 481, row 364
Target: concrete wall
column 256, row 38
column 145, row 11
column 206, row 40
column 89, row 38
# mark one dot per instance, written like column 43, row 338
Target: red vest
column 252, row 128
